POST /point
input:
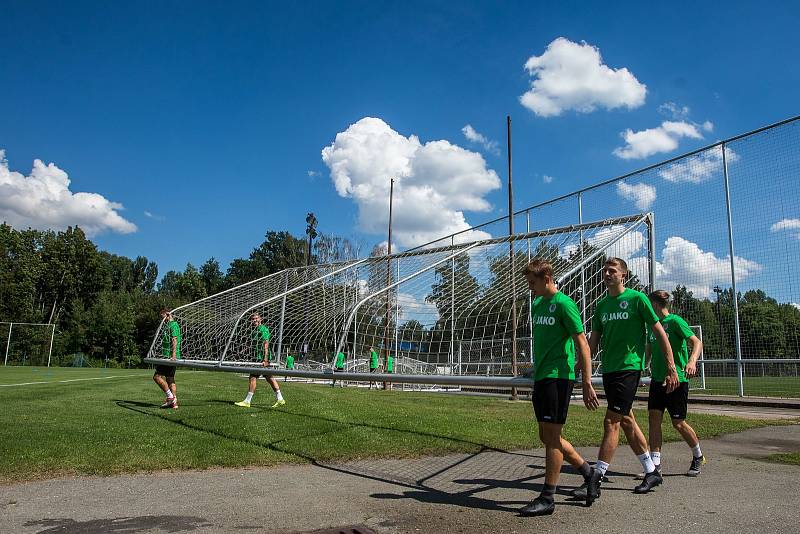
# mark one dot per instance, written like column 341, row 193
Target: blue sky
column 212, row 118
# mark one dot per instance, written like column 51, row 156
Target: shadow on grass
column 405, row 474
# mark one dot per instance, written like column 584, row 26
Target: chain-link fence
column 727, row 229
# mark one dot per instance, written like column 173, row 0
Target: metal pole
column 512, row 271
column 733, row 273
column 8, row 341
column 651, row 243
column 583, row 269
column 283, row 313
column 388, row 277
column 452, row 305
column 50, row 352
column 530, row 299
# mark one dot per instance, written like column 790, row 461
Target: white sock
column 647, row 462
column 601, row 467
column 656, row 456
column 249, row 396
column 278, row 395
column 170, row 396
column 696, row 451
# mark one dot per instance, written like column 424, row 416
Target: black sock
column 548, row 492
column 585, row 470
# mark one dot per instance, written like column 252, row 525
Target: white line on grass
column 65, row 381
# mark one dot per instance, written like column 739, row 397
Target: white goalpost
column 28, row 343
column 437, row 315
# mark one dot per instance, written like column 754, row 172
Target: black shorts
column 620, row 388
column 675, row 402
column 167, row 371
column 551, row 398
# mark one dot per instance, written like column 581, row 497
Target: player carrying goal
column 261, row 338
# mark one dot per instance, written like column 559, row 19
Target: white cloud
column 435, row 182
column 708, row 126
column 628, row 246
column 698, row 168
column 42, row 200
column 153, row 216
column 674, row 111
column 787, row 224
column 547, row 179
column 572, row 76
column 313, row 174
column 685, row 263
column 472, row 135
column 664, row 138
column 642, row 195
column 412, row 307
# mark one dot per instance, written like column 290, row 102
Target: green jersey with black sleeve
column 623, row 320
column 678, row 332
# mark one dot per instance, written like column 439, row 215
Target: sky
column 182, row 131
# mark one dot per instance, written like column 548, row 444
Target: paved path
column 738, row 492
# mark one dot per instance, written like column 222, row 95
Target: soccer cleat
column 538, row 506
column 694, row 469
column 278, row 403
column 243, row 404
column 168, row 403
column 651, row 480
column 175, row 403
column 640, row 476
column 593, row 487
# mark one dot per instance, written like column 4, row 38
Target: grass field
column 757, row 386
column 792, row 458
column 60, row 422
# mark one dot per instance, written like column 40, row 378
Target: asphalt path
column 737, row 492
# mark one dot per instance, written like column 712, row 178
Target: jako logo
column 615, row 316
column 541, row 319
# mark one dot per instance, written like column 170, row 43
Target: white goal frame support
column 11, row 327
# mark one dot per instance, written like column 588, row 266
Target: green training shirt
column 389, row 364
column 340, row 360
column 677, row 332
column 260, row 335
column 172, row 330
column 623, row 321
column 290, row 362
column 553, row 321
column 373, row 359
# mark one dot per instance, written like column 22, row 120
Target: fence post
column 651, row 253
column 50, row 351
column 8, row 342
column 737, row 338
column 283, row 312
column 452, row 303
column 530, row 300
column 583, row 271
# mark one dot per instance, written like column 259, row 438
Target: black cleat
column 694, row 469
column 538, row 506
column 593, row 487
column 651, row 480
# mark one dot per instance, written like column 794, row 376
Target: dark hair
column 539, row 268
column 164, row 311
column 660, row 297
column 619, row 262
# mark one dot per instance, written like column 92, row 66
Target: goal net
column 27, row 343
column 418, row 310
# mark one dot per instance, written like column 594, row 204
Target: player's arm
column 585, row 359
column 265, row 361
column 697, row 348
column 174, row 344
column 671, row 381
column 648, row 354
column 594, row 343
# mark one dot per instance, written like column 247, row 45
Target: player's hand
column 691, row 369
column 264, row 362
column 590, row 399
column 173, row 357
column 671, row 382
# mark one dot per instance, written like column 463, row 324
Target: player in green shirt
column 389, row 370
column 557, row 330
column 620, row 320
column 676, row 402
column 164, row 375
column 261, row 338
column 373, row 363
column 289, row 365
column 338, row 366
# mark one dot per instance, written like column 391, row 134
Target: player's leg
column 656, row 404
column 173, row 389
column 251, row 389
column 277, row 389
column 677, row 405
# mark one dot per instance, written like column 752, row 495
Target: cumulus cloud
column 698, row 168
column 664, row 138
column 43, row 200
column 572, row 76
column 685, row 263
column 627, row 247
column 790, row 225
column 547, row 179
column 435, row 182
column 490, row 146
column 674, row 111
column 412, row 307
column 642, row 195
column 708, row 126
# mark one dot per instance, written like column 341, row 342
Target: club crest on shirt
column 552, row 308
column 623, row 304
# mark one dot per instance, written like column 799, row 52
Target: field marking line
column 65, row 381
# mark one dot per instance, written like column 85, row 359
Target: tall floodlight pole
column 311, row 232
column 388, row 277
column 513, row 271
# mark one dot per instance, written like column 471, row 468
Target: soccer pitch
column 59, row 422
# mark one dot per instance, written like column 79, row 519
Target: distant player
column 261, row 338
column 676, row 402
column 338, row 366
column 373, row 363
column 621, row 319
column 557, row 332
column 289, row 365
column 170, row 348
column 389, row 370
